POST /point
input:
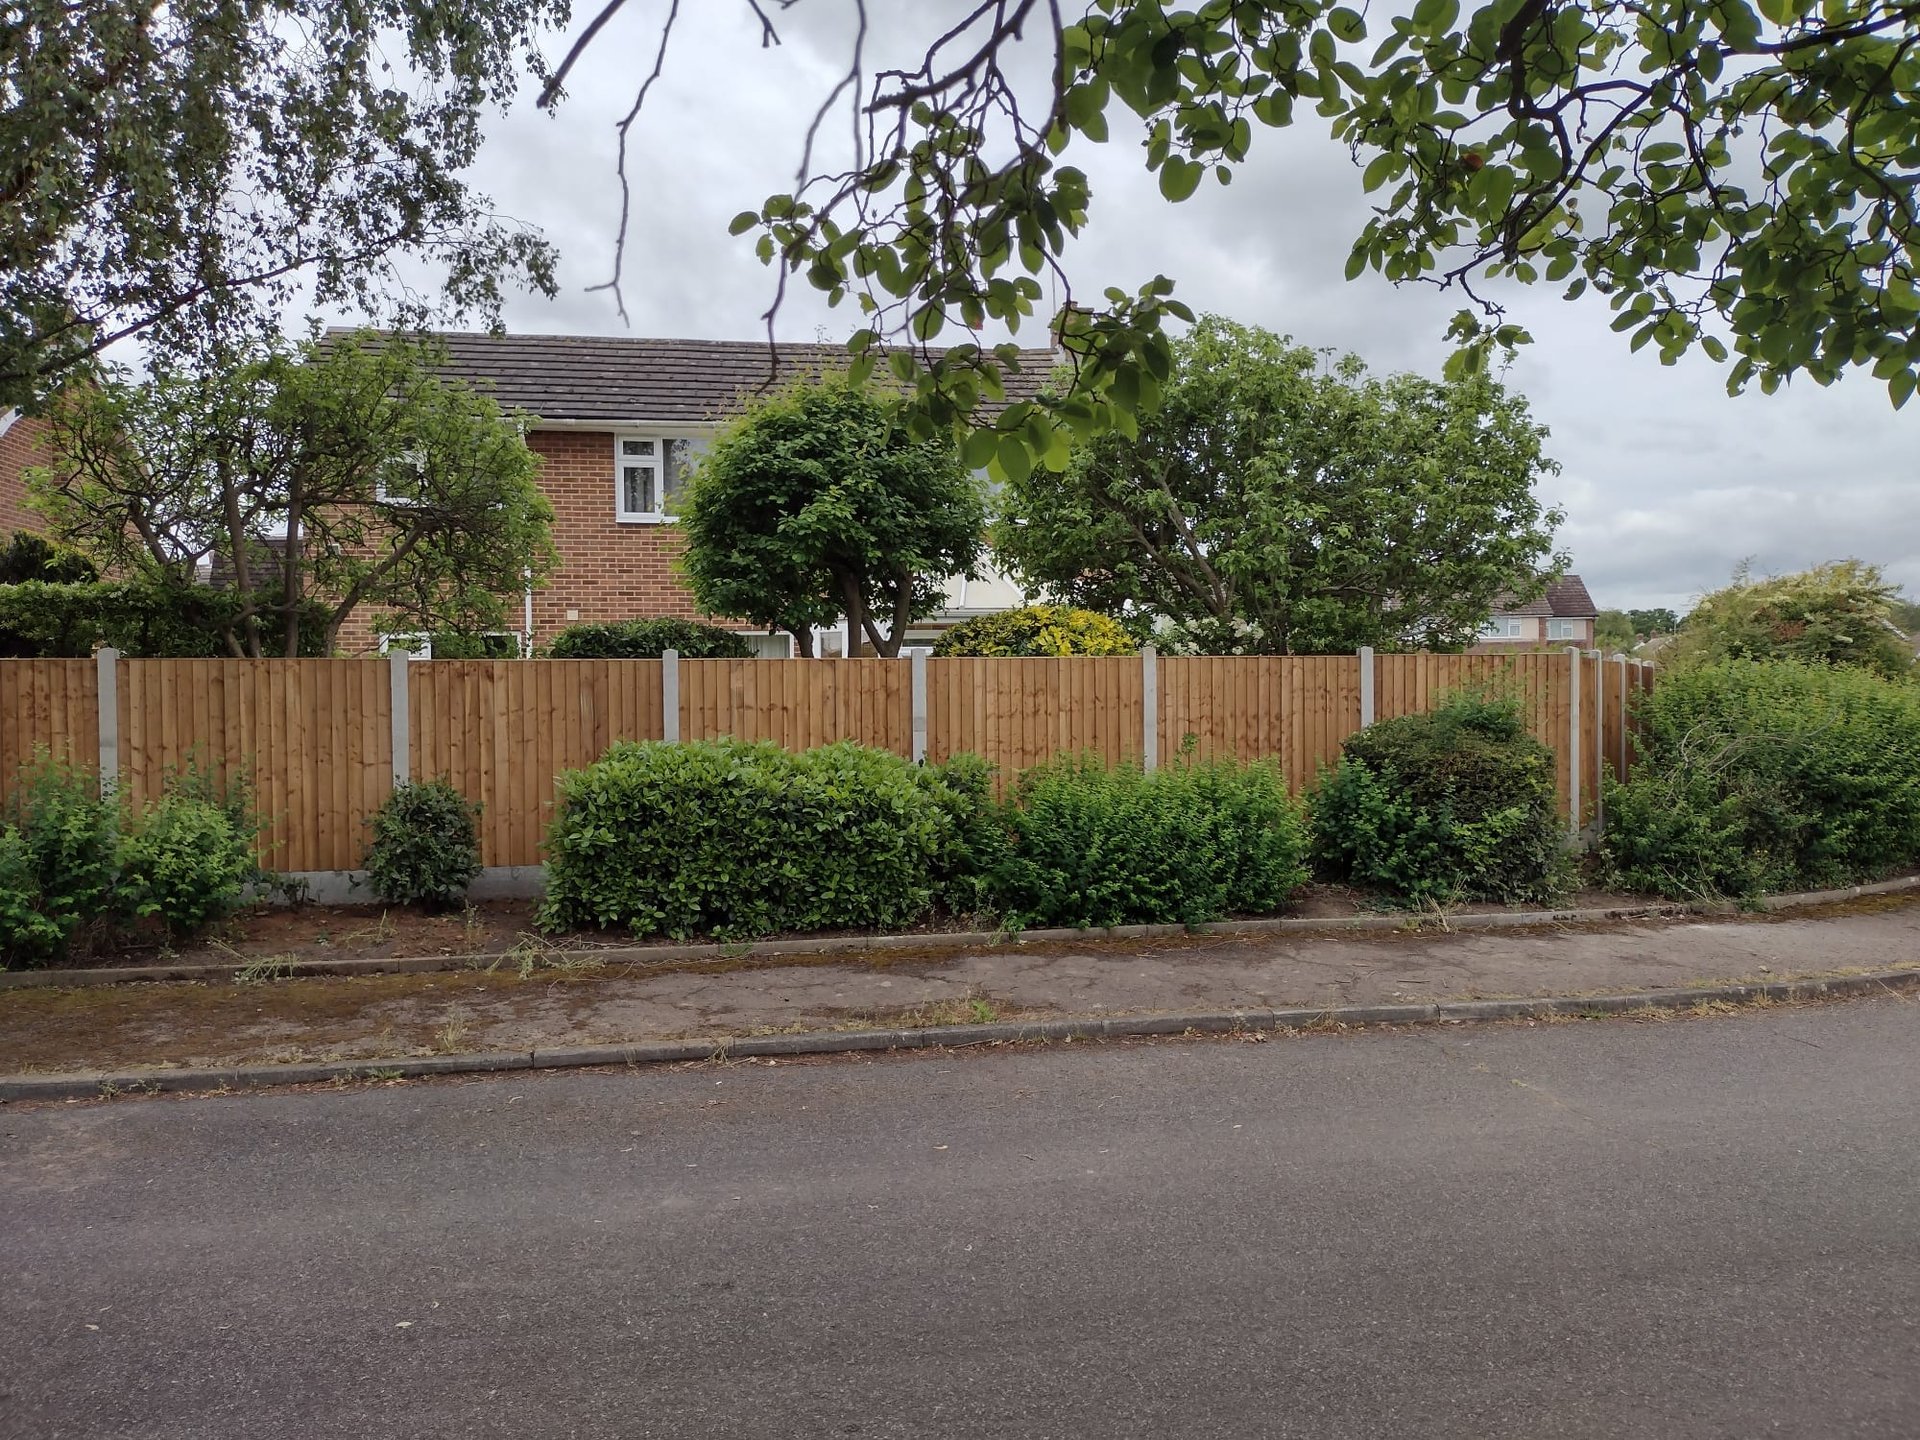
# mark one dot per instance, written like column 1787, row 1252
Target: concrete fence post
column 107, row 670
column 397, row 663
column 917, row 659
column 1620, row 772
column 1366, row 686
column 1149, row 708
column 669, row 694
column 1573, row 741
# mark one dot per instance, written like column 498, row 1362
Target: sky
column 1667, row 482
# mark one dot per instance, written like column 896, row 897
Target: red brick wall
column 607, row 570
column 20, row 449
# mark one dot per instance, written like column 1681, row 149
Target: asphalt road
column 1696, row 1229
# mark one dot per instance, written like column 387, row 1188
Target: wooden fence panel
column 1018, row 711
column 51, row 706
column 1296, row 709
column 312, row 737
column 799, row 704
column 503, row 732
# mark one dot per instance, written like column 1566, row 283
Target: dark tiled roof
column 1570, row 600
column 1565, row 599
column 616, row 377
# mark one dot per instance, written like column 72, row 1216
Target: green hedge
column 1766, row 776
column 1457, row 804
column 41, row 619
column 733, row 839
column 646, row 639
column 1038, row 630
column 1195, row 841
column 426, row 845
column 27, row 556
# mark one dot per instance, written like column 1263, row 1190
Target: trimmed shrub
column 186, row 863
column 41, row 619
column 426, row 845
column 1457, row 804
column 1755, row 777
column 1198, row 840
column 733, row 839
column 646, row 639
column 1038, row 630
column 964, row 873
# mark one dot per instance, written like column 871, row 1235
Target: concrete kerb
column 853, row 945
column 1005, row 1032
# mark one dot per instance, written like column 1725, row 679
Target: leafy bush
column 185, row 862
column 27, row 556
column 738, row 839
column 1834, row 614
column 28, row 935
column 1456, row 804
column 42, row 619
column 1755, row 777
column 979, row 844
column 1185, row 844
column 426, row 845
column 646, row 639
column 65, row 852
column 1038, row 630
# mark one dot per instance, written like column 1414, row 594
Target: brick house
column 1563, row 615
column 619, row 423
column 21, row 449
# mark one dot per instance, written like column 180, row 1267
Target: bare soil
column 573, row 997
column 372, row 932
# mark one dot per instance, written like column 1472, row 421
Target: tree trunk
column 291, row 575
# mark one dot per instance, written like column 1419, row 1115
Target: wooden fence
column 323, row 741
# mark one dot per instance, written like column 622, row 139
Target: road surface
column 1700, row 1228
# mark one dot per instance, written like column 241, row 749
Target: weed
column 264, row 969
column 451, row 1036
column 981, row 1011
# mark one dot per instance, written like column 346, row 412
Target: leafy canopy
column 1741, row 177
column 409, row 492
column 186, row 169
column 1281, row 502
column 816, row 503
column 1834, row 614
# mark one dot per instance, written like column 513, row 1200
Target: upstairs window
column 649, row 473
column 1501, row 627
column 1563, row 629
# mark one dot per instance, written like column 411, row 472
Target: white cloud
column 1668, row 482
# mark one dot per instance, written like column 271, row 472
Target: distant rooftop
column 627, row 378
column 1564, row 599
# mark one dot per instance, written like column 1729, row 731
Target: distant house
column 1563, row 615
column 621, row 421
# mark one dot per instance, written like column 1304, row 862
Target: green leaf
column 1179, row 178
column 743, row 222
column 1347, row 25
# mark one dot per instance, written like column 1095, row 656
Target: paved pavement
column 374, row 1017
column 1702, row 1228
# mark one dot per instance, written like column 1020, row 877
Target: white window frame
column 1563, row 629
column 779, row 637
column 1503, row 627
column 416, row 457
column 663, row 441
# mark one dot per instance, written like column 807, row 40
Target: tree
column 407, row 492
column 816, row 503
column 1660, row 621
column 190, row 167
column 1833, row 614
column 1738, row 178
column 1613, row 630
column 1283, row 503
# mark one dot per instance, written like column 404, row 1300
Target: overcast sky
column 1667, row 482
